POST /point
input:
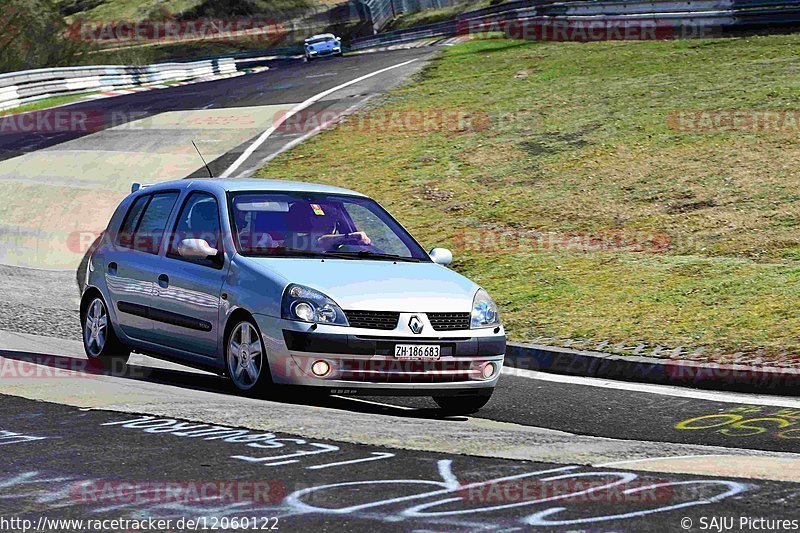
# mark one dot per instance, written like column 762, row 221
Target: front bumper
column 323, row 53
column 362, row 360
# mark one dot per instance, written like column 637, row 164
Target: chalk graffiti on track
column 747, row 421
column 11, row 437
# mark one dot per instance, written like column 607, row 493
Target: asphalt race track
column 346, row 486
column 165, row 442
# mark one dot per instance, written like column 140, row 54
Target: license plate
column 417, row 351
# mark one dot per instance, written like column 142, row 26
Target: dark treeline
column 32, row 35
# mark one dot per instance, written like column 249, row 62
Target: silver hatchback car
column 282, row 283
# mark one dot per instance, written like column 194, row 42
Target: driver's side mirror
column 196, row 249
column 441, row 256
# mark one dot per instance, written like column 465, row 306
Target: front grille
column 373, row 319
column 449, row 321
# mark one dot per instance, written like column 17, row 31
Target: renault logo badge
column 416, row 325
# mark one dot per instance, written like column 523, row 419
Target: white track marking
column 299, row 107
column 303, row 138
column 404, row 408
column 376, row 456
column 651, row 459
column 664, row 390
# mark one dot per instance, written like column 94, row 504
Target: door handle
column 112, row 269
column 163, row 281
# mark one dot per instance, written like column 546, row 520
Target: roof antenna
column 204, row 161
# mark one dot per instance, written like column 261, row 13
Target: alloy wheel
column 95, row 328
column 244, row 356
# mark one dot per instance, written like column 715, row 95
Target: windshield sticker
column 317, row 209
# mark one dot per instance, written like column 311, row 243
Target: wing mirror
column 196, row 249
column 441, row 256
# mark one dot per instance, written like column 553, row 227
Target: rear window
column 144, row 225
column 126, row 231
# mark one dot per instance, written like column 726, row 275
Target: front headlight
column 309, row 305
column 484, row 311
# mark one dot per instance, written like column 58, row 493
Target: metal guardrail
column 381, row 12
column 283, row 52
column 19, row 88
column 675, row 14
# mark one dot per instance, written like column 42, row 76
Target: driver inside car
column 331, row 240
column 324, row 226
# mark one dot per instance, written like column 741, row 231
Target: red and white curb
column 416, row 44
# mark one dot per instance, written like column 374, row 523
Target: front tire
column 461, row 405
column 245, row 359
column 102, row 346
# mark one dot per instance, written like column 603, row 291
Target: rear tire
column 461, row 405
column 102, row 346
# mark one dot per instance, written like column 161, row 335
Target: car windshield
column 319, row 225
column 320, row 40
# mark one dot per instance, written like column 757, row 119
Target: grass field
column 45, row 104
column 579, row 141
column 134, row 10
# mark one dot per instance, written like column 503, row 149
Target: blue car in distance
column 322, row 45
column 278, row 283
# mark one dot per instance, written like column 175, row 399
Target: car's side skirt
column 167, row 317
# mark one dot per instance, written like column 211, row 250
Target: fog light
column 489, row 370
column 320, row 368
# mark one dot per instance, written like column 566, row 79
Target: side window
column 150, row 231
column 198, row 219
column 125, row 235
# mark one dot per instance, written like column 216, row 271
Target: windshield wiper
column 286, row 252
column 371, row 255
column 294, row 252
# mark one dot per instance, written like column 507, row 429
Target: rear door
column 132, row 264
